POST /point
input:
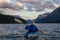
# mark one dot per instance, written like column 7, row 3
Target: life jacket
column 31, row 28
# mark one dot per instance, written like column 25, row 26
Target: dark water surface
column 16, row 31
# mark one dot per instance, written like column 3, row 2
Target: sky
column 26, row 15
column 13, row 1
column 18, row 1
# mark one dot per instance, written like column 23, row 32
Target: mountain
column 53, row 17
column 10, row 19
column 41, row 17
column 29, row 21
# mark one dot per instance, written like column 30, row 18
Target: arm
column 27, row 27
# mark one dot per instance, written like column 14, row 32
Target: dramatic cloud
column 54, row 3
column 16, row 3
column 32, row 0
column 4, row 3
column 19, row 5
column 9, row 4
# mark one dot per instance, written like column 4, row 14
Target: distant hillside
column 29, row 21
column 38, row 19
column 54, row 17
column 10, row 19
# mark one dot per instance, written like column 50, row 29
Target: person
column 32, row 30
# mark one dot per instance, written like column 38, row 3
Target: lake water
column 50, row 31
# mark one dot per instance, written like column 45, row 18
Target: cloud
column 4, row 3
column 9, row 4
column 55, row 4
column 8, row 1
column 32, row 0
column 1, row 3
column 19, row 5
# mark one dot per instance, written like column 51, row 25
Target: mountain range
column 53, row 17
column 11, row 19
